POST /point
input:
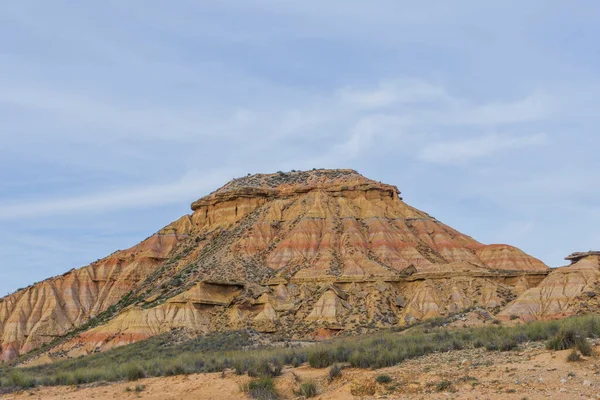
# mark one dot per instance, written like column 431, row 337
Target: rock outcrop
column 296, row 254
column 567, row 291
column 37, row 314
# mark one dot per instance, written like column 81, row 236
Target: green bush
column 334, row 372
column 383, row 379
column 444, row 386
column 308, row 390
column 265, row 367
column 320, row 358
column 262, row 389
column 570, row 338
column 133, row 372
column 584, row 347
column 20, row 379
column 563, row 340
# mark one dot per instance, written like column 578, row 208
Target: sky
column 116, row 115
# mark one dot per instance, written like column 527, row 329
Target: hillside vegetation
column 241, row 351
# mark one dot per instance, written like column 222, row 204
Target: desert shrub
column 171, row 368
column 63, row 378
column 360, row 360
column 573, row 356
column 133, row 372
column 265, row 368
column 584, row 347
column 571, row 338
column 320, row 358
column 491, row 346
column 383, row 379
column 444, row 386
column 508, row 344
column 308, row 390
column 334, row 372
column 168, row 354
column 241, row 366
column 262, row 389
column 80, row 377
column 296, row 361
column 18, row 378
column 563, row 340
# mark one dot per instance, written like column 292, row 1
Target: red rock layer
column 280, row 252
column 36, row 315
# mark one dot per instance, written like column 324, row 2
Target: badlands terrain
column 298, row 258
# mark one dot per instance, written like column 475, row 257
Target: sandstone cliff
column 300, row 254
column 39, row 313
column 567, row 291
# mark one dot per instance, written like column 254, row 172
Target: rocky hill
column 567, row 291
column 305, row 254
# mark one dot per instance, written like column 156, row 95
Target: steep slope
column 299, row 254
column 35, row 315
column 32, row 316
column 567, row 291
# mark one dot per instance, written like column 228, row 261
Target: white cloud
column 119, row 120
column 193, row 185
column 465, row 150
column 400, row 91
column 366, row 130
column 533, row 107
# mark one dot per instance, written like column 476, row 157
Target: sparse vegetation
column 320, row 358
column 169, row 354
column 563, row 340
column 444, row 386
column 266, row 367
column 572, row 338
column 308, row 390
column 335, row 372
column 383, row 379
column 133, row 372
column 584, row 347
column 262, row 389
column 136, row 389
column 574, row 356
column 100, row 319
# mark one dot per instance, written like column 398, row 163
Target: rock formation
column 299, row 254
column 567, row 291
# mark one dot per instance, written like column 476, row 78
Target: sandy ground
column 530, row 373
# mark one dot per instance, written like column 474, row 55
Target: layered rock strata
column 298, row 254
column 567, row 291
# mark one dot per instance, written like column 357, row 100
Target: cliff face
column 302, row 254
column 35, row 315
column 567, row 291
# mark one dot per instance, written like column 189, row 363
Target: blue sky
column 116, row 115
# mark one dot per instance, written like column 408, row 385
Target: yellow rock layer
column 290, row 253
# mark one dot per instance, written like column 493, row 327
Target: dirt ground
column 530, row 373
